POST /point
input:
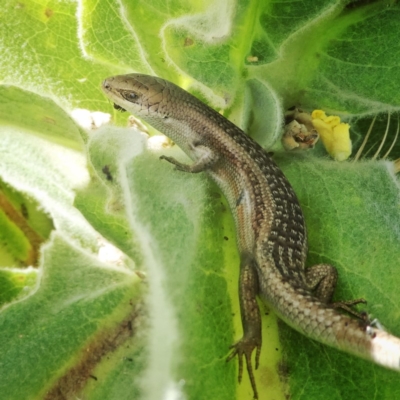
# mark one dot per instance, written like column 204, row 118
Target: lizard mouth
column 119, row 108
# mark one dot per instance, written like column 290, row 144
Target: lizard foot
column 346, row 306
column 245, row 347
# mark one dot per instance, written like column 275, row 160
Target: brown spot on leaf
column 49, row 120
column 351, row 5
column 48, row 12
column 24, row 211
column 18, row 218
column 106, row 171
column 283, row 371
column 75, row 379
column 188, row 42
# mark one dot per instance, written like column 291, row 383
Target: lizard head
column 142, row 95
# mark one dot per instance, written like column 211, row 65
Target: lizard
column 270, row 226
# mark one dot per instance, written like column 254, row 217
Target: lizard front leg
column 206, row 158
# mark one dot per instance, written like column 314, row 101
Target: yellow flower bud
column 335, row 135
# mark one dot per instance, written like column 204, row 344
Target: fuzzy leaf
column 134, row 294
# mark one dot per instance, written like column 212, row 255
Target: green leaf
column 16, row 283
column 135, row 291
column 78, row 304
column 361, row 240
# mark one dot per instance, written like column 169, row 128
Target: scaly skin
column 271, row 233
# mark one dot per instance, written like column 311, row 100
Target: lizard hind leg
column 251, row 321
column 322, row 280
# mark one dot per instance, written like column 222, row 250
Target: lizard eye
column 129, row 95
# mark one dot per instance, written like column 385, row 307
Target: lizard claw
column 245, row 347
column 347, row 307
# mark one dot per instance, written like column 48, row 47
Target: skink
column 271, row 233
